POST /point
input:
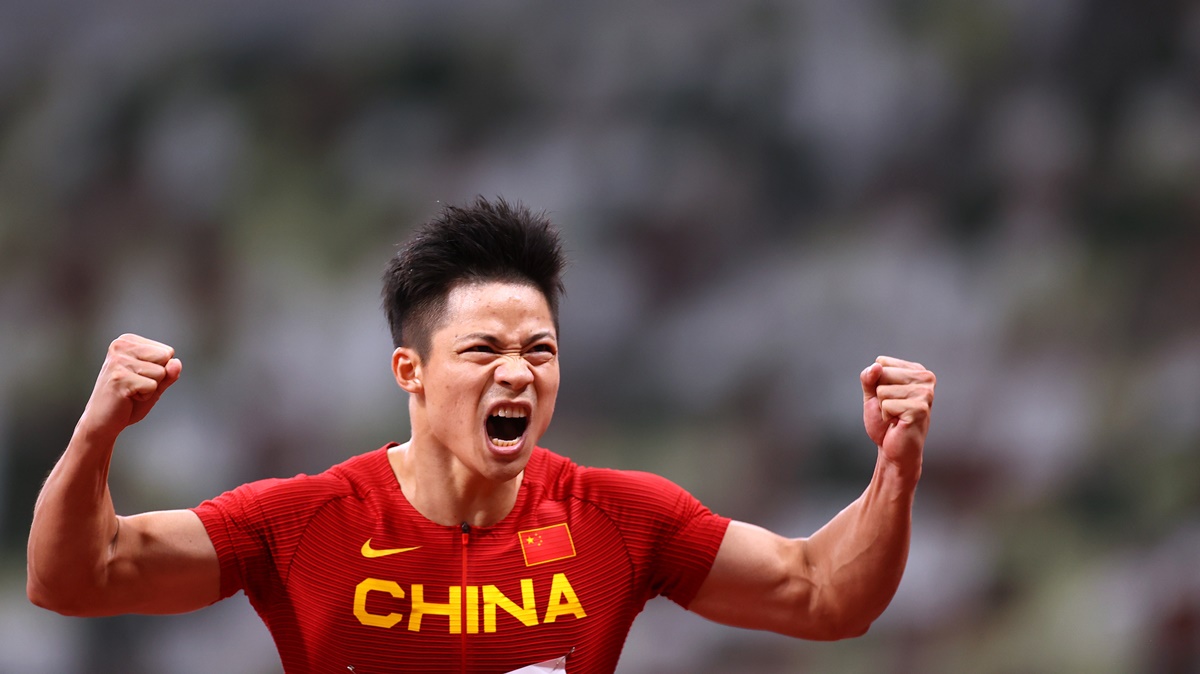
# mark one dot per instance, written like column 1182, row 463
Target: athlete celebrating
column 467, row 548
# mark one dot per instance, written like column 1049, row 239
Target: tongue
column 505, row 428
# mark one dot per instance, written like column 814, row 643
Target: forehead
column 495, row 306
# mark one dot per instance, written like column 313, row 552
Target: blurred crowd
column 758, row 198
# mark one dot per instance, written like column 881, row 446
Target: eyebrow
column 494, row 341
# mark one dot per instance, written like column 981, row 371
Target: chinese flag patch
column 547, row 544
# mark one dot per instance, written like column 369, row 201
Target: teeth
column 510, row 412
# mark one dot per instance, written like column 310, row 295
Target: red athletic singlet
column 348, row 576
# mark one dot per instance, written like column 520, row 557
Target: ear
column 406, row 368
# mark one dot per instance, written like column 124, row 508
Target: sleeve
column 255, row 528
column 671, row 537
column 686, row 554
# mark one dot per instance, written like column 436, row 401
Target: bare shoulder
column 182, row 530
column 759, row 580
column 164, row 562
column 160, row 562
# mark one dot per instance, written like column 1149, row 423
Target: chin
column 505, row 470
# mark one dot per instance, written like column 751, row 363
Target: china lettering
column 561, row 601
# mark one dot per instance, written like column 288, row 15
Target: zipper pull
column 466, row 532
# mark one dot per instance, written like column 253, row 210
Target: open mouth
column 506, row 424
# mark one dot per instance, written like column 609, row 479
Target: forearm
column 835, row 583
column 860, row 555
column 82, row 558
column 74, row 523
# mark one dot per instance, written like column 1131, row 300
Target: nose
column 514, row 373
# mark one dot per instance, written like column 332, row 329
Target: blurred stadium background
column 759, row 197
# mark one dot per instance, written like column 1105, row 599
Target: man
column 467, row 548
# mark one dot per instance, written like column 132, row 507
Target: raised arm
column 85, row 560
column 834, row 584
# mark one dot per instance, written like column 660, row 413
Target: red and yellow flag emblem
column 546, row 544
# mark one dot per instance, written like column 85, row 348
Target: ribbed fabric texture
column 458, row 602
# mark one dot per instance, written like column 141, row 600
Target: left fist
column 897, row 398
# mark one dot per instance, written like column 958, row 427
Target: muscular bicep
column 761, row 580
column 161, row 562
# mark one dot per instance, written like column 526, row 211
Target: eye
column 541, row 353
column 479, row 348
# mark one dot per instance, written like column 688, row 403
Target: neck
column 446, row 492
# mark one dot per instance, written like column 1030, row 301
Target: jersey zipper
column 466, row 537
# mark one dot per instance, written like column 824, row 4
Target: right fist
column 135, row 373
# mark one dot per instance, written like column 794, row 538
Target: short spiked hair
column 482, row 242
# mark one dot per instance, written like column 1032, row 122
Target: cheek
column 454, row 401
column 547, row 390
column 547, row 376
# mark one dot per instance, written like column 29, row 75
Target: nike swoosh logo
column 368, row 551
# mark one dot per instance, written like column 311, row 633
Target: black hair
column 481, row 242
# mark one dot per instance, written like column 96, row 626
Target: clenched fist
column 135, row 373
column 897, row 398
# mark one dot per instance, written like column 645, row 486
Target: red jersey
column 349, row 577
